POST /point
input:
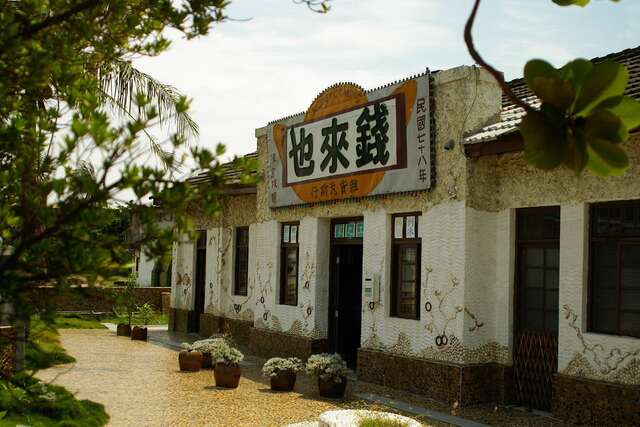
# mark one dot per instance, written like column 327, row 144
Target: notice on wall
column 352, row 143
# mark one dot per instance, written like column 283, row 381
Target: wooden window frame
column 236, row 271
column 620, row 240
column 525, row 243
column 285, row 247
column 397, row 244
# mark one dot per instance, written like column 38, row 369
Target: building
column 150, row 272
column 432, row 248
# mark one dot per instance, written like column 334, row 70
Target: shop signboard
column 352, row 143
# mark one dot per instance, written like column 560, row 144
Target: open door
column 346, row 290
column 200, row 270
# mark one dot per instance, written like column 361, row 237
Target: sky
column 276, row 56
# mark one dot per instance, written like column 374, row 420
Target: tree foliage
column 583, row 118
column 66, row 161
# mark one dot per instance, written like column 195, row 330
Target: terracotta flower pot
column 207, row 363
column 190, row 360
column 139, row 333
column 227, row 376
column 332, row 389
column 123, row 330
column 284, row 381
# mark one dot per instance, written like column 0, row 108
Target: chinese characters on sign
column 352, row 143
column 363, row 139
column 421, row 118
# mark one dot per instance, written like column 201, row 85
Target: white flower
column 276, row 365
column 327, row 367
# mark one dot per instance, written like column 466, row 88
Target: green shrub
column 43, row 348
column 144, row 314
column 77, row 322
column 380, row 422
column 29, row 401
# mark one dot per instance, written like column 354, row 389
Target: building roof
column 230, row 173
column 511, row 115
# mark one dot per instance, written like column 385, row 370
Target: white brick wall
column 145, row 269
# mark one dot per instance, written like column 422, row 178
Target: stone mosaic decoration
column 305, row 304
column 440, row 314
column 308, row 273
column 184, row 280
column 298, row 330
column 594, row 361
column 373, row 340
column 263, row 289
column 221, row 239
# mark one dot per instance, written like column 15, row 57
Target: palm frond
column 121, row 81
column 166, row 157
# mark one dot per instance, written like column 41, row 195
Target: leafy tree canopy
column 65, row 160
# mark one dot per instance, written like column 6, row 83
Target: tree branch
column 319, row 6
column 468, row 39
column 33, row 29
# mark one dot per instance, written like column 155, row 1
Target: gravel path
column 140, row 385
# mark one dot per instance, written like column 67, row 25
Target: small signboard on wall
column 351, row 143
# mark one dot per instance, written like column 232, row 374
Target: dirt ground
column 140, row 385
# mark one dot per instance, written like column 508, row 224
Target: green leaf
column 576, row 154
column 626, row 108
column 606, row 80
column 538, row 68
column 557, row 92
column 607, row 126
column 543, row 141
column 3, row 414
column 547, row 82
column 582, row 3
column 605, row 158
column 576, row 73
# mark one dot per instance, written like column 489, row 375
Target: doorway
column 345, row 308
column 535, row 356
column 200, row 272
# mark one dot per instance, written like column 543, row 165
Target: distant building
column 402, row 228
column 151, row 272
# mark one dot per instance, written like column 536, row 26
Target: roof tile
column 511, row 115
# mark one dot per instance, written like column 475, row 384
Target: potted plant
column 206, row 346
column 126, row 305
column 143, row 315
column 282, row 372
column 332, row 373
column 189, row 359
column 226, row 359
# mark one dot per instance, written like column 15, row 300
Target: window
column 241, row 261
column 614, row 268
column 405, row 269
column 289, row 264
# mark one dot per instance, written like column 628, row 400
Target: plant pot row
column 228, row 375
column 137, row 333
